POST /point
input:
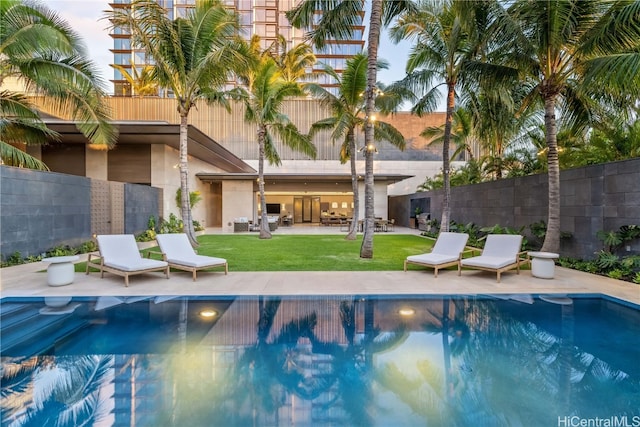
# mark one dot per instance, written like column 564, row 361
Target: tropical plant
column 40, row 51
column 498, row 123
column 462, row 134
column 578, row 57
column 337, row 20
column 347, row 109
column 263, row 98
column 172, row 225
column 142, row 81
column 609, row 141
column 194, row 57
column 294, row 63
column 194, row 197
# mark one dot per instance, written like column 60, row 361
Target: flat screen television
column 273, row 208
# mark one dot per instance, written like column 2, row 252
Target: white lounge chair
column 179, row 253
column 119, row 255
column 501, row 252
column 447, row 251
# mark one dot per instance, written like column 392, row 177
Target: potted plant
column 417, row 211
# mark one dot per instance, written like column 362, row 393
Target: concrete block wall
column 593, row 198
column 42, row 210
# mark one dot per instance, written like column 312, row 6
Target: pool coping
column 30, row 280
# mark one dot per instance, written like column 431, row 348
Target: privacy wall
column 593, row 198
column 42, row 210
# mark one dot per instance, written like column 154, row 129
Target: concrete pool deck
column 30, row 280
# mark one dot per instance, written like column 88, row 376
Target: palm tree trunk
column 185, row 204
column 265, row 233
column 446, row 206
column 366, row 250
column 552, row 238
column 353, row 229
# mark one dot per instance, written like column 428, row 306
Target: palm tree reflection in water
column 336, row 377
column 462, row 361
column 40, row 389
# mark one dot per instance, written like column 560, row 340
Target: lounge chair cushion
column 446, row 252
column 131, row 264
column 118, row 246
column 431, row 258
column 488, row 261
column 177, row 250
column 500, row 253
column 450, row 244
column 120, row 251
column 503, row 246
column 119, row 255
column 197, row 261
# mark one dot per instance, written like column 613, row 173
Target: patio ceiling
column 199, row 145
column 299, row 178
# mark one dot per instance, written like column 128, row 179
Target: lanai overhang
column 292, row 182
column 199, row 145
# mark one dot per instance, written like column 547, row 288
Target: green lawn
column 311, row 252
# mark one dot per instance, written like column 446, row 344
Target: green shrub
column 13, row 259
column 146, row 236
column 62, row 250
column 197, row 226
column 88, row 246
column 173, row 225
column 615, row 274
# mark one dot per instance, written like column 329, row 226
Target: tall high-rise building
column 265, row 18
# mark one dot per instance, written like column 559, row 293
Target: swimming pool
column 320, row 361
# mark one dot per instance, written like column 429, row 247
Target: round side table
column 542, row 264
column 60, row 271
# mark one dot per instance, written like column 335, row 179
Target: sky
column 86, row 18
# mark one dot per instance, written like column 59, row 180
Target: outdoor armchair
column 178, row 252
column 501, row 253
column 119, row 254
column 447, row 251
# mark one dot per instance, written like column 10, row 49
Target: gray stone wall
column 42, row 210
column 593, row 198
column 140, row 202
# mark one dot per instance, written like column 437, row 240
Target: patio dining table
column 379, row 225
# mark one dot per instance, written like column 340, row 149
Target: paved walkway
column 30, row 280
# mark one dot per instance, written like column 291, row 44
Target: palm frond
column 291, row 137
column 12, row 156
column 386, row 132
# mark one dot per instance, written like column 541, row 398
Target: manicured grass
column 311, row 252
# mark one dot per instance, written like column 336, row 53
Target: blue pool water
column 320, row 361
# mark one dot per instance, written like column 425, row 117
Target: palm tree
column 294, row 63
column 347, row 108
column 576, row 56
column 499, row 124
column 462, row 134
column 337, row 21
column 41, row 51
column 143, row 82
column 194, row 57
column 446, row 46
column 263, row 99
